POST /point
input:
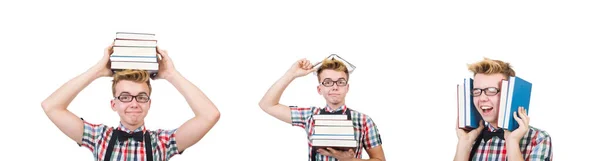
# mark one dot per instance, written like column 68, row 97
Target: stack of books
column 134, row 51
column 468, row 116
column 514, row 93
column 333, row 131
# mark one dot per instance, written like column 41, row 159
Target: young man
column 333, row 85
column 131, row 90
column 524, row 143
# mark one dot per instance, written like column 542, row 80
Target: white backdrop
column 409, row 57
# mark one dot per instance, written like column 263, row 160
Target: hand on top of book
column 102, row 68
column 166, row 68
column 301, row 68
column 469, row 137
column 340, row 155
column 523, row 121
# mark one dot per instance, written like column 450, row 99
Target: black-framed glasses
column 129, row 98
column 489, row 91
column 340, row 82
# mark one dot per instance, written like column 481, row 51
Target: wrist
column 172, row 75
column 95, row 71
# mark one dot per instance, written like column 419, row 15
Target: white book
column 330, row 117
column 334, row 143
column 503, row 100
column 334, row 130
column 135, row 36
column 333, row 137
column 147, row 59
column 147, row 43
column 134, row 65
column 134, row 51
column 334, row 123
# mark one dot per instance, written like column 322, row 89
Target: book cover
column 468, row 116
column 517, row 94
column 349, row 65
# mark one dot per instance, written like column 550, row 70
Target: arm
column 270, row 101
column 465, row 141
column 206, row 114
column 55, row 106
column 513, row 138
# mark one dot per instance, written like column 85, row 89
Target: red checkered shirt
column 96, row 138
column 536, row 145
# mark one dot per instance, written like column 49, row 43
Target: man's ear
column 319, row 90
column 112, row 105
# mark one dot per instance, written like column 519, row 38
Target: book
column 349, row 65
column 343, row 145
column 334, row 131
column 468, row 116
column 135, row 36
column 514, row 93
column 135, row 51
column 133, row 43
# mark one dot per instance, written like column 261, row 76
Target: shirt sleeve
column 542, row 151
column 92, row 133
column 166, row 143
column 300, row 115
column 372, row 137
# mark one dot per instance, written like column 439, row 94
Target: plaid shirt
column 365, row 130
column 96, row 138
column 535, row 146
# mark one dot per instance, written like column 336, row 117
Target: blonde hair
column 490, row 66
column 138, row 76
column 332, row 64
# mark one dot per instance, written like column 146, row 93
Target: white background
column 409, row 57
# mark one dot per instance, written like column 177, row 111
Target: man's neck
column 132, row 127
column 335, row 106
column 494, row 124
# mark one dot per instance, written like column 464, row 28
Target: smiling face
column 486, row 85
column 131, row 89
column 132, row 102
column 489, row 99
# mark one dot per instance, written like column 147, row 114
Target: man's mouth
column 487, row 109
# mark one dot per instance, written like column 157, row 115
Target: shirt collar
column 491, row 128
column 329, row 109
column 123, row 128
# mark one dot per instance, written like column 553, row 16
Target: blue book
column 514, row 93
column 468, row 116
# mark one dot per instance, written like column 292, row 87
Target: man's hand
column 301, row 68
column 470, row 136
column 517, row 134
column 340, row 155
column 166, row 69
column 102, row 68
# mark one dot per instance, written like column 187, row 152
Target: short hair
column 332, row 64
column 135, row 75
column 490, row 66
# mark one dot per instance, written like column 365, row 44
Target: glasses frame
column 484, row 90
column 133, row 97
column 335, row 82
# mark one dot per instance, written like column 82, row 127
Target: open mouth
column 487, row 109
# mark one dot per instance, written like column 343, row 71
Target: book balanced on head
column 135, row 51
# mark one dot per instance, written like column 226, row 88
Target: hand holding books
column 102, row 68
column 166, row 69
column 523, row 121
